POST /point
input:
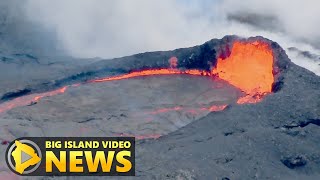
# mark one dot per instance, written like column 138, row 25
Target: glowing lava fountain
column 249, row 68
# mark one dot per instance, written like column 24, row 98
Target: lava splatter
column 249, row 68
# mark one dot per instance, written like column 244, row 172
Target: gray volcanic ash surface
column 180, row 136
column 274, row 139
column 145, row 107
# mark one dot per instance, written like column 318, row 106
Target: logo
column 23, row 156
column 72, row 156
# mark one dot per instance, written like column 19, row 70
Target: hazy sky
column 113, row 28
column 121, row 27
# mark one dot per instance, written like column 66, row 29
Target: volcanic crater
column 199, row 112
column 153, row 101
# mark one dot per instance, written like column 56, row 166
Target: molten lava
column 152, row 72
column 29, row 99
column 213, row 108
column 249, row 67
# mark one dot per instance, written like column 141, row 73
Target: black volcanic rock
column 294, row 162
column 12, row 95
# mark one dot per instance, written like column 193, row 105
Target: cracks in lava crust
column 303, row 124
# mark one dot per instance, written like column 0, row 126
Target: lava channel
column 152, row 72
column 29, row 99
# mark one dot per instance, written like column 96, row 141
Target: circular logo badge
column 23, row 156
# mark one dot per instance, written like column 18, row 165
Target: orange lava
column 249, row 68
column 213, row 108
column 217, row 108
column 26, row 100
column 165, row 110
column 152, row 72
